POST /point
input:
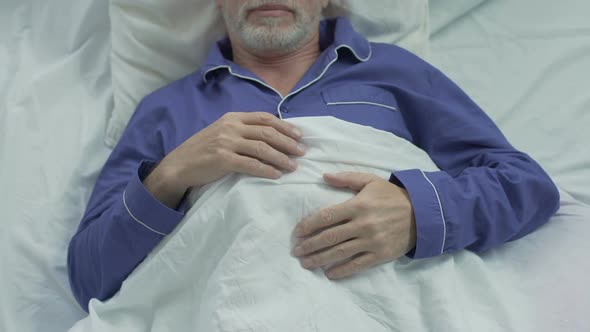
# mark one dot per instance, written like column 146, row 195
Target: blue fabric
column 486, row 193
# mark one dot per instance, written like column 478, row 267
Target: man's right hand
column 258, row 144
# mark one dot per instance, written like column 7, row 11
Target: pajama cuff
column 428, row 212
column 144, row 208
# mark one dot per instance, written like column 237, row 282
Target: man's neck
column 280, row 71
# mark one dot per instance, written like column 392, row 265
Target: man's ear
column 325, row 3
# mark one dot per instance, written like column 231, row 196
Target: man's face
column 277, row 26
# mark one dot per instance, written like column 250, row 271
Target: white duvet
column 228, row 265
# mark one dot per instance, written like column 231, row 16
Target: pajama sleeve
column 123, row 221
column 487, row 192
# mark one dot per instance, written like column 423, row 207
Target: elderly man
column 281, row 62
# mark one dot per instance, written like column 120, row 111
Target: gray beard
column 270, row 37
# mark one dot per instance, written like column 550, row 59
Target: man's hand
column 258, row 144
column 374, row 227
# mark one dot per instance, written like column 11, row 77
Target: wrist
column 164, row 183
column 411, row 218
column 172, row 176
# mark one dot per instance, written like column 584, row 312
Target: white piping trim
column 240, row 76
column 249, row 79
column 360, row 103
column 134, row 218
column 441, row 213
column 354, row 52
column 324, row 72
column 204, row 77
column 283, row 99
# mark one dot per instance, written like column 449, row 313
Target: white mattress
column 524, row 62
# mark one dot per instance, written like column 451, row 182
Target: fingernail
column 298, row 251
column 298, row 231
column 297, row 132
column 301, row 148
column 277, row 174
column 292, row 165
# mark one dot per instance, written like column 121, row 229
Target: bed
column 524, row 62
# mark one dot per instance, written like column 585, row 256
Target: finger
column 265, row 153
column 269, row 120
column 333, row 255
column 251, row 166
column 358, row 264
column 352, row 180
column 325, row 218
column 274, row 138
column 328, row 238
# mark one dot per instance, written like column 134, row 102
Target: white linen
column 445, row 12
column 228, row 267
column 401, row 22
column 526, row 63
column 54, row 97
column 156, row 42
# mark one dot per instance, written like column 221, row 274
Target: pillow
column 445, row 12
column 155, row 42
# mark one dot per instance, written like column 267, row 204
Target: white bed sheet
column 228, row 265
column 527, row 70
column 54, row 97
column 527, row 63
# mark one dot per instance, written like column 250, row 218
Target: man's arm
column 135, row 200
column 123, row 221
column 487, row 193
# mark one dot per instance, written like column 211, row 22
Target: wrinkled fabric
column 228, row 266
column 54, row 95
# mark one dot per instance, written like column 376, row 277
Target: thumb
column 352, row 180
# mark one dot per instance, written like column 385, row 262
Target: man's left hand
column 374, row 227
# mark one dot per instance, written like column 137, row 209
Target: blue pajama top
column 487, row 192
